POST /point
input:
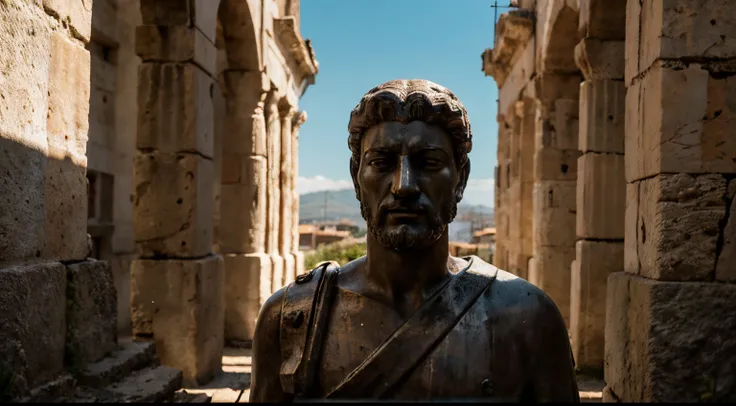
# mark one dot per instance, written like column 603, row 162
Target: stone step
column 130, row 356
column 157, row 384
column 183, row 396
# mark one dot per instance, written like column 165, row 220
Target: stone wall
column 218, row 105
column 57, row 306
column 633, row 183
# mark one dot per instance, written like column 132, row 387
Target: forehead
column 408, row 137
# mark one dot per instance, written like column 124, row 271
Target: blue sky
column 360, row 44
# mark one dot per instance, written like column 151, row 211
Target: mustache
column 402, row 206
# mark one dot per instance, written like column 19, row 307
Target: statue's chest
column 457, row 367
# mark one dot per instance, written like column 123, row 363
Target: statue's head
column 410, row 141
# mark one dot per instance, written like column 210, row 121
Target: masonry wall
column 57, row 306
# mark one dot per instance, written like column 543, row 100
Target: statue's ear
column 462, row 181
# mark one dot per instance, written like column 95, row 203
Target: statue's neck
column 408, row 276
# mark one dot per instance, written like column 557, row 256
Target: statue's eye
column 432, row 163
column 379, row 162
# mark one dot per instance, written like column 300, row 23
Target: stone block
column 631, row 232
column 22, row 218
column 105, row 20
column 601, row 196
column 533, row 271
column 68, row 95
column 205, row 18
column 632, row 41
column 277, row 271
column 550, row 87
column 65, row 201
column 24, row 39
column 602, row 19
column 726, row 265
column 175, row 108
column 244, row 207
column 678, row 226
column 120, row 266
column 551, row 164
column 245, row 125
column 565, row 122
column 299, row 263
column 289, row 268
column 685, row 29
column 33, row 326
column 78, row 14
column 181, row 43
column 553, row 275
column 166, row 13
column 670, row 341
column 518, row 78
column 173, row 205
column 602, row 116
column 91, row 312
column 247, row 286
column 594, row 262
column 182, row 304
column 600, row 59
column 554, row 213
column 664, row 135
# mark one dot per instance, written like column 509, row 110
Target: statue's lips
column 404, row 214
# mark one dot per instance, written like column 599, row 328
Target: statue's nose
column 405, row 181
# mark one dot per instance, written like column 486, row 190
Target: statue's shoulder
column 509, row 290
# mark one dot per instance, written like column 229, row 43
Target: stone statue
column 407, row 321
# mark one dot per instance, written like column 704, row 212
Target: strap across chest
column 396, row 357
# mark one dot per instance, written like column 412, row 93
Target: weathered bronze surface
column 407, row 321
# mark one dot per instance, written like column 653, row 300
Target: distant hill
column 342, row 204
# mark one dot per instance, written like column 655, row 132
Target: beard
column 407, row 237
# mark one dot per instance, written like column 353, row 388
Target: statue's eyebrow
column 377, row 150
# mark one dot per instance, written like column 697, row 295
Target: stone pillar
column 298, row 120
column 525, row 163
column 671, row 316
column 177, row 284
column 244, row 202
column 513, row 192
column 601, row 195
column 555, row 174
column 273, row 188
column 58, row 306
column 500, row 258
column 286, row 182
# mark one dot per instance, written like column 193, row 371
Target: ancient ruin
column 615, row 183
column 173, row 115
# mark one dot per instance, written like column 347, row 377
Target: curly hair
column 406, row 101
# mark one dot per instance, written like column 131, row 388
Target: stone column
column 601, row 195
column 243, row 198
column 177, row 283
column 555, row 174
column 671, row 316
column 500, row 211
column 298, row 120
column 286, row 182
column 273, row 188
column 58, row 306
column 525, row 157
column 513, row 192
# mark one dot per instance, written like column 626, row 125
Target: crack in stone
column 720, row 241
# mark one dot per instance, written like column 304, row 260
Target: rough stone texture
column 602, row 109
column 601, row 196
column 552, row 268
column 678, row 29
column 243, row 204
column 175, row 44
column 553, row 164
column 33, row 326
column 554, row 213
column 247, row 286
column 670, row 341
column 182, row 303
column 245, row 125
column 664, row 135
column 600, row 59
column 173, row 204
column 78, row 14
column 65, row 185
column 726, row 265
column 594, row 262
column 69, row 90
column 175, row 109
column 677, row 226
column 91, row 313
